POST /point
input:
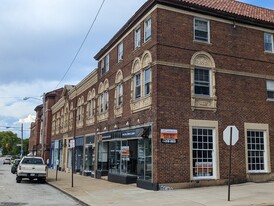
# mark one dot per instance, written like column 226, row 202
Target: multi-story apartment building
column 40, row 138
column 167, row 85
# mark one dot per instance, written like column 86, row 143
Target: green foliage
column 10, row 138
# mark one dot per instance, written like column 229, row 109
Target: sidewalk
column 101, row 192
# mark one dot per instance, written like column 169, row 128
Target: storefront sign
column 106, row 136
column 169, row 136
column 128, row 134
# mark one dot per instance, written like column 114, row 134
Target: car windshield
column 33, row 161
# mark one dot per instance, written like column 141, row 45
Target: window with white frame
column 106, row 100
column 256, row 146
column 268, row 42
column 147, row 29
column 203, row 153
column 270, row 89
column 120, row 51
column 137, row 38
column 103, row 69
column 107, row 63
column 201, row 30
column 102, row 102
column 137, row 85
column 147, row 82
column 202, row 81
column 119, row 94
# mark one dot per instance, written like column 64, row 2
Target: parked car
column 32, row 168
column 14, row 166
column 7, row 160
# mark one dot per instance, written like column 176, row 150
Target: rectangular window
column 203, row 152
column 201, row 30
column 120, row 94
column 103, row 70
column 137, row 39
column 107, row 63
column 270, row 89
column 256, row 150
column 147, row 29
column 106, row 100
column 147, row 82
column 268, row 42
column 93, row 106
column 102, row 102
column 137, row 85
column 120, row 51
column 202, row 81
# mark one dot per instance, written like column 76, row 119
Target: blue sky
column 39, row 39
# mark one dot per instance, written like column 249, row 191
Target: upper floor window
column 107, row 63
column 137, row 85
column 147, row 29
column 137, row 38
column 103, row 97
column 147, row 82
column 268, row 42
column 103, row 69
column 120, row 51
column 201, row 81
column 119, row 94
column 270, row 89
column 201, row 30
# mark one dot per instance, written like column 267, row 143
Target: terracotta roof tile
column 235, row 7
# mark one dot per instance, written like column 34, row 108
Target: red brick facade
column 239, row 70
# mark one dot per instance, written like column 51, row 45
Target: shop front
column 89, row 155
column 79, row 149
column 125, row 156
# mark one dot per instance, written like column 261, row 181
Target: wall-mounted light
column 115, row 126
column 98, row 129
column 127, row 123
column 138, row 121
column 105, row 128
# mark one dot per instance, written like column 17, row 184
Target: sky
column 38, row 41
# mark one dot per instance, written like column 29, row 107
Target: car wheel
column 18, row 179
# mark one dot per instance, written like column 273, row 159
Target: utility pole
column 44, row 125
column 22, row 131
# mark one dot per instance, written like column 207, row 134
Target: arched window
column 103, row 100
column 203, row 92
column 118, row 100
column 90, row 114
column 141, row 82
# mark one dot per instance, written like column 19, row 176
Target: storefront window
column 144, row 167
column 103, row 156
column 89, row 159
column 114, row 156
column 79, row 142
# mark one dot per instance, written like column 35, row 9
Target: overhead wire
column 73, row 60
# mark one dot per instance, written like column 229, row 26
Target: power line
column 81, row 45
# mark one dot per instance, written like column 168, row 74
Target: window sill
column 269, row 100
column 146, row 42
column 269, row 52
column 102, row 116
column 202, row 42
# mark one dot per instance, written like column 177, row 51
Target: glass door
column 144, row 162
column 89, row 159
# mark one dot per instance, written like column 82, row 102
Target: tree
column 8, row 142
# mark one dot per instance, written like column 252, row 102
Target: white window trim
column 269, row 88
column 208, row 30
column 107, row 63
column 272, row 49
column 210, row 82
column 136, row 46
column 206, row 124
column 145, row 28
column 120, row 51
column 265, row 129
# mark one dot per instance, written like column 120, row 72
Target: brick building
column 167, row 85
column 37, row 134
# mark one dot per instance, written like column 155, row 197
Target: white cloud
column 29, row 119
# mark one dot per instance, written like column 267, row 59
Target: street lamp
column 22, row 129
column 43, row 119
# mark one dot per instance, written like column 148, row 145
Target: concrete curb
column 73, row 197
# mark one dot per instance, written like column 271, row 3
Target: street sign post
column 230, row 136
